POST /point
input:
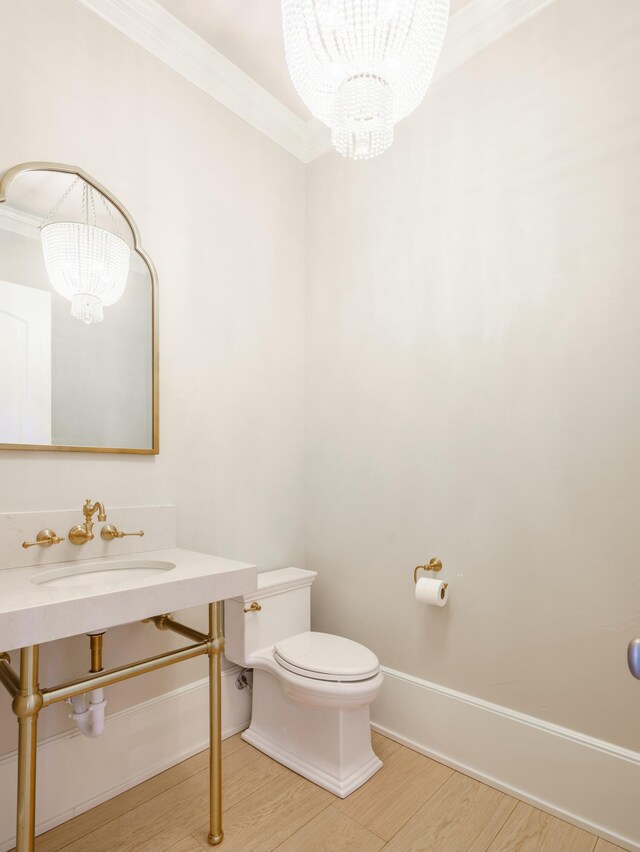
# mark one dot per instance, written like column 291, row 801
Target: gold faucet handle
column 110, row 531
column 45, row 538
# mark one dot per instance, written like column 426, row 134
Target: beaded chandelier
column 362, row 65
column 87, row 265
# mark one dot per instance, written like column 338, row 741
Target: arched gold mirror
column 78, row 317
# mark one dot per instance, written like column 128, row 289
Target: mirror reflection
column 76, row 319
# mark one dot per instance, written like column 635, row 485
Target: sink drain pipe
column 88, row 708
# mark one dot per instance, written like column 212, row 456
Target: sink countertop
column 31, row 614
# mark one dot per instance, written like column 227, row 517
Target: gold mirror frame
column 5, row 182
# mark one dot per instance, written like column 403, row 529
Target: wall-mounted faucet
column 83, row 533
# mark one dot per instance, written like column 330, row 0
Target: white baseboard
column 76, row 773
column 588, row 782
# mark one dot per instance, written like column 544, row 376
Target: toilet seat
column 323, row 656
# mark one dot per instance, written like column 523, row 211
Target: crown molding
column 478, row 24
column 14, row 220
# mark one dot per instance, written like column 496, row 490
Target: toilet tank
column 285, row 598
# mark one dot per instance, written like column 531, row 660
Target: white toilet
column 311, row 691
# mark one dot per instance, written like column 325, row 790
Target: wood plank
column 89, row 821
column 604, row 846
column 332, row 831
column 187, row 844
column 383, row 746
column 462, row 815
column 270, row 814
column 531, row 830
column 165, row 820
column 394, row 794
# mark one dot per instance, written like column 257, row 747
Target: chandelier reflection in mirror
column 86, row 264
column 362, row 65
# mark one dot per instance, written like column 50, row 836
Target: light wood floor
column 412, row 803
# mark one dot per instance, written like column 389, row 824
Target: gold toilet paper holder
column 433, row 565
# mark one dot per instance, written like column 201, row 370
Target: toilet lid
column 322, row 656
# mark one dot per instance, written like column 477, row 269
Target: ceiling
column 249, row 34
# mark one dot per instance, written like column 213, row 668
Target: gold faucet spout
column 82, row 533
column 89, row 510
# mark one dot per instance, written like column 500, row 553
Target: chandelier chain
column 60, row 202
column 107, row 207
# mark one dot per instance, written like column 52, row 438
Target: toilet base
column 330, row 746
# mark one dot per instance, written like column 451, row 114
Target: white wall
column 473, row 353
column 218, row 207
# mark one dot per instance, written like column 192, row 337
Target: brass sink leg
column 26, row 706
column 215, row 724
column 95, row 643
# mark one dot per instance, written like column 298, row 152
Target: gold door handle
column 255, row 607
column 45, row 538
column 109, row 532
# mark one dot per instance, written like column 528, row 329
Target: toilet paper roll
column 430, row 591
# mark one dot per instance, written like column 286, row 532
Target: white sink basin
column 42, row 603
column 100, row 574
